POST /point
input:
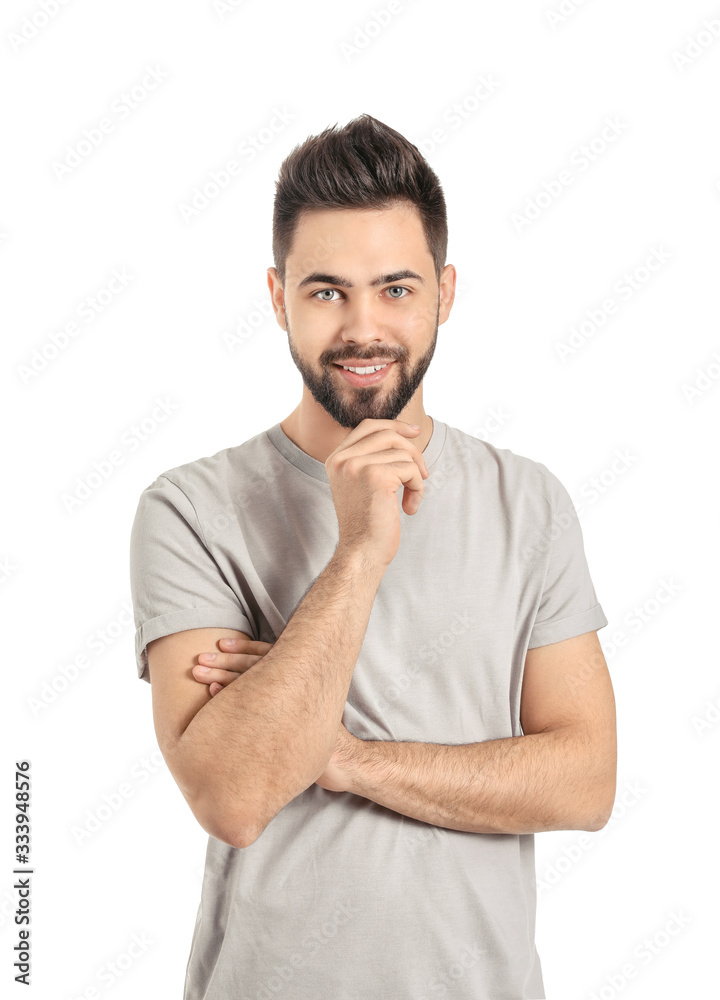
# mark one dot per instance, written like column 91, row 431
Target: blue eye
column 401, row 288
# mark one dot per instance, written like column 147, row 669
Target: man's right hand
column 365, row 472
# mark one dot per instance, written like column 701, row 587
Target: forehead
column 366, row 239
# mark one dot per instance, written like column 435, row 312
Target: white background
column 643, row 384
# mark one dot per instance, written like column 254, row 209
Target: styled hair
column 365, row 164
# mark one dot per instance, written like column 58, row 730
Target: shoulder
column 210, row 476
column 513, row 474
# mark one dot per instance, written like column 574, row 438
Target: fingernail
column 230, row 642
column 203, row 670
column 415, row 427
column 208, row 656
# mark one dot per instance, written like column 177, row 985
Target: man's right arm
column 242, row 755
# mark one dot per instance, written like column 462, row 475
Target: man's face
column 350, row 297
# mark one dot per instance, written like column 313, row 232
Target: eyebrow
column 336, row 279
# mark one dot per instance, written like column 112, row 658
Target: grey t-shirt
column 341, row 898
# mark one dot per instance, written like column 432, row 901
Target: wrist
column 358, row 766
column 359, row 564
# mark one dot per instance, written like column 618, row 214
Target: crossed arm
column 519, row 784
column 560, row 775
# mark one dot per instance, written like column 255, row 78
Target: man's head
column 359, row 242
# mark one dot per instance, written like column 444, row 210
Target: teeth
column 365, row 371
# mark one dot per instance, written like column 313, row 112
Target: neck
column 315, row 432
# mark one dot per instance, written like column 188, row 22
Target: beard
column 349, row 404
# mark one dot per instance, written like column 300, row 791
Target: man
column 416, row 685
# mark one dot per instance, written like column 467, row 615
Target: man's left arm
column 560, row 775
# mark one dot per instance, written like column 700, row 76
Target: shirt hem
column 545, row 633
column 181, row 621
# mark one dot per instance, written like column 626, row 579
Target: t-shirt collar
column 299, row 458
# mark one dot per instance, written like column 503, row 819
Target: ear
column 277, row 296
column 447, row 292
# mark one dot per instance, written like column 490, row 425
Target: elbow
column 223, row 816
column 239, row 837
column 601, row 798
column 236, row 828
column 243, row 832
column 214, row 805
column 232, row 831
column 600, row 816
column 595, row 824
column 248, row 836
column 600, row 819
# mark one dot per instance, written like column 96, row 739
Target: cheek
column 421, row 321
column 311, row 325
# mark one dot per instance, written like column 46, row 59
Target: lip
column 361, row 380
column 365, row 362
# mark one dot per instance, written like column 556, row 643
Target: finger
column 212, row 675
column 228, row 661
column 409, row 474
column 370, row 426
column 244, row 645
column 370, row 445
column 418, row 457
column 237, row 643
column 214, row 688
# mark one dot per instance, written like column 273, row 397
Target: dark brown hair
column 365, row 164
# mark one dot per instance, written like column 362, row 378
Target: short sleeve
column 175, row 583
column 568, row 604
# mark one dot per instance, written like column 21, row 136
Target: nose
column 363, row 323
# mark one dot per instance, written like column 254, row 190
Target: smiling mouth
column 372, row 377
column 378, row 364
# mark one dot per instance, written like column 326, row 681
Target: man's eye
column 397, row 288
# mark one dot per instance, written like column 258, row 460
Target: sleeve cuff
column 544, row 633
column 179, row 621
